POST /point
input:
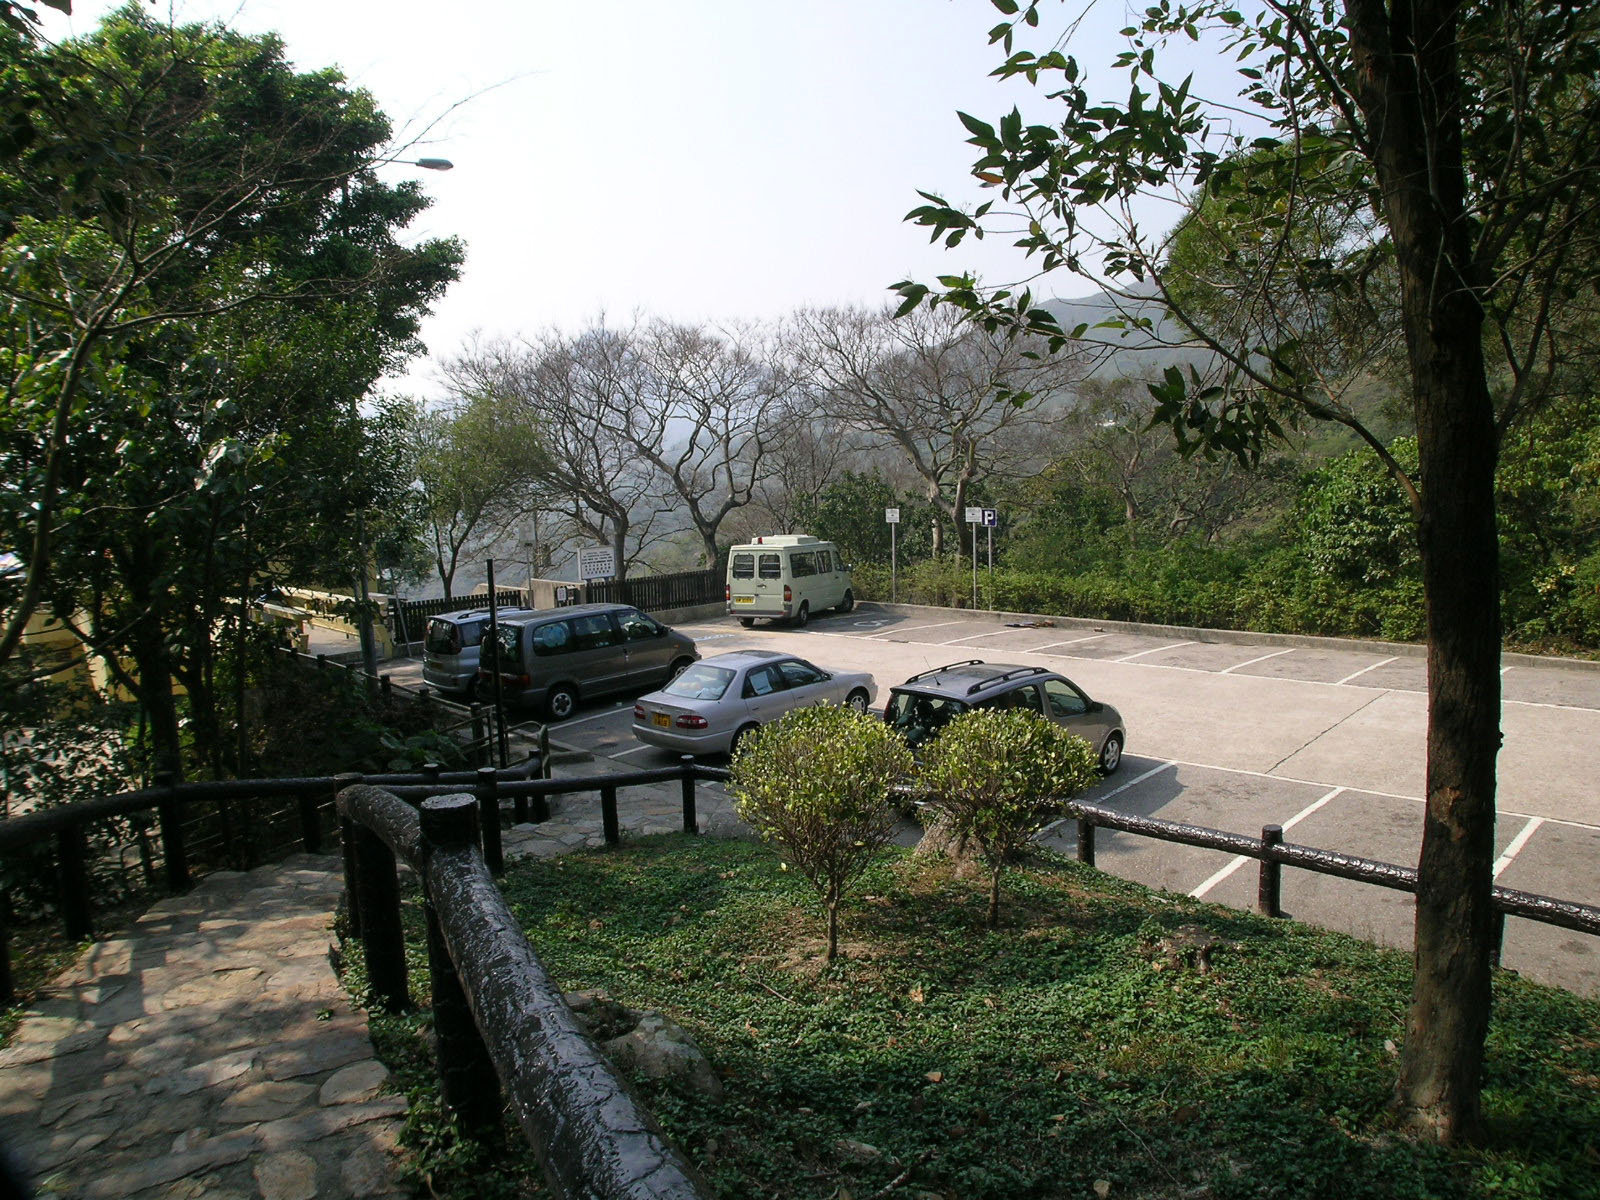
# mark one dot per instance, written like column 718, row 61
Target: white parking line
column 970, row 636
column 1116, row 791
column 625, row 753
column 1152, row 650
column 1093, row 637
column 1517, row 843
column 1364, row 670
column 1252, row 662
column 1240, row 860
column 610, row 712
column 916, row 628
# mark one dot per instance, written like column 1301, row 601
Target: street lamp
column 432, row 164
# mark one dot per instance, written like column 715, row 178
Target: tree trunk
column 993, row 920
column 833, row 928
column 1410, row 91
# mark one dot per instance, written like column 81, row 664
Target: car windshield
column 700, row 682
column 918, row 717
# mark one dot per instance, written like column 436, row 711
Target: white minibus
column 786, row 577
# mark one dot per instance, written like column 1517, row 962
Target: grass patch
column 1058, row 1051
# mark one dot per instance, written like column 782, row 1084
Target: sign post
column 974, row 518
column 597, row 562
column 892, row 516
column 991, row 518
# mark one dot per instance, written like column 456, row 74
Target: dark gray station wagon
column 557, row 656
column 925, row 703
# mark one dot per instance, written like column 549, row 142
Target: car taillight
column 727, row 591
column 788, row 593
column 690, row 721
column 638, row 712
column 525, row 681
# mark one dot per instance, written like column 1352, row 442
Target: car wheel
column 804, row 615
column 561, row 702
column 857, row 700
column 848, row 602
column 679, row 666
column 1111, row 754
column 739, row 736
column 747, row 622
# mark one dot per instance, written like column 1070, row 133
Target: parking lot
column 1326, row 741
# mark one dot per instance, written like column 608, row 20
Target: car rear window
column 511, row 645
column 770, row 566
column 442, row 637
column 700, row 682
column 744, row 566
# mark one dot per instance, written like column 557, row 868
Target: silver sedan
column 718, row 700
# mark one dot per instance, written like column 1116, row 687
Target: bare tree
column 568, row 388
column 958, row 403
column 705, row 410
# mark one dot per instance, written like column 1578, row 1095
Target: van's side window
column 744, row 566
column 595, row 631
column 802, row 563
column 769, row 566
column 824, row 562
column 636, row 627
column 555, row 637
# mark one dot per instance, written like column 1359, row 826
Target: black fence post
column 310, row 822
column 352, row 868
column 8, row 991
column 1086, row 841
column 1497, row 934
column 467, row 1077
column 608, row 814
column 544, row 757
column 430, row 771
column 386, row 689
column 691, row 823
column 322, row 662
column 381, row 934
column 489, row 820
column 170, row 813
column 74, row 882
column 480, row 737
column 1269, row 892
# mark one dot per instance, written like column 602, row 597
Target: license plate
column 660, row 719
column 744, row 599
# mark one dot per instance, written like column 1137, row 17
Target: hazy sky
column 689, row 158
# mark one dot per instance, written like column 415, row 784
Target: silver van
column 451, row 644
column 552, row 658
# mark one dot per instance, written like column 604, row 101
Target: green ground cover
column 1061, row 1052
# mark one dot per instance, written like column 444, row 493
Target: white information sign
column 974, row 516
column 892, row 515
column 597, row 562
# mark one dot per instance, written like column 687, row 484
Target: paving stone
column 358, row 1081
column 286, row 1175
column 266, row 1100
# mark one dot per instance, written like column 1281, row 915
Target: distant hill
column 1133, row 351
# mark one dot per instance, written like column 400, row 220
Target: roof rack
column 1015, row 673
column 971, row 662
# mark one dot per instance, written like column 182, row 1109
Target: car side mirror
column 1095, row 706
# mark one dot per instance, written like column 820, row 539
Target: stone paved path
column 209, row 1052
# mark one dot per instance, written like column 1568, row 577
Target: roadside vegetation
column 1080, row 1043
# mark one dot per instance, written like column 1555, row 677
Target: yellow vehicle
column 787, row 577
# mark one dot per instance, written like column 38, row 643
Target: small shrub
column 817, row 782
column 996, row 777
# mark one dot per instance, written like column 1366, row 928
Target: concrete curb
column 1237, row 637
